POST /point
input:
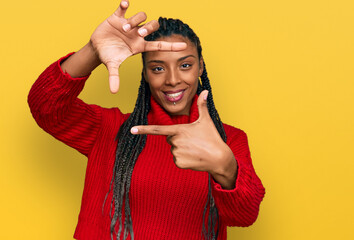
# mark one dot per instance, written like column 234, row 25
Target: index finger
column 164, row 46
column 168, row 130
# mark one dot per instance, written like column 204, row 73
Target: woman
column 170, row 169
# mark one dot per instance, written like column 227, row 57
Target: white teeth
column 174, row 95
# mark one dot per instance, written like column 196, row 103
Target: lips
column 174, row 96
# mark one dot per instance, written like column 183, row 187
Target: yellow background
column 281, row 70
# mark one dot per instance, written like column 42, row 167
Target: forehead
column 171, row 55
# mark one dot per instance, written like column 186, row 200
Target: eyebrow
column 180, row 59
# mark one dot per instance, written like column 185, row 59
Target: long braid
column 128, row 149
column 130, row 146
column 213, row 217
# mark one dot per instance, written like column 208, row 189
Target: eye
column 186, row 65
column 157, row 69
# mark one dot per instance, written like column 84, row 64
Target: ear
column 201, row 66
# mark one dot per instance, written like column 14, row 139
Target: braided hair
column 130, row 146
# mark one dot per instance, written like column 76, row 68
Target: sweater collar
column 158, row 115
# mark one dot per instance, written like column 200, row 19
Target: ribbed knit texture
column 166, row 202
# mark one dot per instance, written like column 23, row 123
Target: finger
column 202, row 105
column 148, row 28
column 113, row 76
column 169, row 139
column 171, row 150
column 122, row 9
column 134, row 21
column 164, row 46
column 155, row 130
column 174, row 158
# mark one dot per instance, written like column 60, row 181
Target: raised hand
column 117, row 38
column 198, row 145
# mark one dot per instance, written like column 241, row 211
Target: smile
column 174, row 96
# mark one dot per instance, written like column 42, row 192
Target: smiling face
column 173, row 76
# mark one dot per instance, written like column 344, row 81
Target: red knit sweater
column 166, row 202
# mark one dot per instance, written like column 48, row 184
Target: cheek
column 154, row 90
column 155, row 83
column 191, row 78
column 195, row 80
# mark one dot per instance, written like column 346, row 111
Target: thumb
column 113, row 76
column 202, row 104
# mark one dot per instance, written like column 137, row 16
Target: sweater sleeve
column 239, row 206
column 57, row 110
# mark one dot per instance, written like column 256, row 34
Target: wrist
column 89, row 52
column 226, row 170
column 81, row 63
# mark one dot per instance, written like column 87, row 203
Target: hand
column 198, row 145
column 117, row 38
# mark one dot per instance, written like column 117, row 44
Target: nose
column 172, row 78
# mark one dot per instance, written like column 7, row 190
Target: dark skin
column 174, row 72
column 197, row 145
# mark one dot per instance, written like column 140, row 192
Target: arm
column 81, row 63
column 55, row 107
column 198, row 146
column 53, row 98
column 239, row 206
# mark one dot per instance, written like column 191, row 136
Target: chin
column 178, row 109
column 177, row 112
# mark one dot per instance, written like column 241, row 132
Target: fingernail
column 126, row 27
column 125, row 4
column 206, row 96
column 142, row 32
column 134, row 130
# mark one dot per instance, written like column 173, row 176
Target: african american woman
column 170, row 169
